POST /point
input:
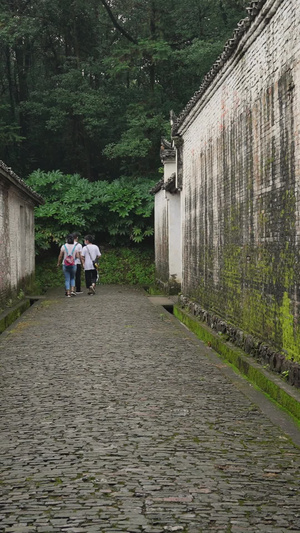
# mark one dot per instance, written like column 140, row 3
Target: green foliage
column 143, row 127
column 87, row 85
column 119, row 211
column 120, row 266
column 198, row 58
column 9, row 132
column 127, row 266
column 47, row 275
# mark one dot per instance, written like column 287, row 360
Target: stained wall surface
column 241, row 184
column 17, row 253
column 161, row 231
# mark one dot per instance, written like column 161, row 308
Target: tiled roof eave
column 11, row 177
column 157, row 187
column 231, row 45
column 170, row 184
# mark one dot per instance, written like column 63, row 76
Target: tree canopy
column 87, row 85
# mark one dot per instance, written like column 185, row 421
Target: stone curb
column 263, row 353
column 8, row 317
column 282, row 393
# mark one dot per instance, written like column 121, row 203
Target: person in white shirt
column 78, row 263
column 90, row 254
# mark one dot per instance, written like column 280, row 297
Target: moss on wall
column 241, row 247
column 290, row 330
column 7, row 318
column 257, row 292
column 240, row 361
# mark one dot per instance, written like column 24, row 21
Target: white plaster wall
column 161, row 228
column 17, row 247
column 169, row 169
column 168, row 248
column 175, row 239
column 3, row 244
column 21, row 238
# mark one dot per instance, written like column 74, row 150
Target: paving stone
column 141, row 432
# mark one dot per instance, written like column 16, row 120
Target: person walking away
column 67, row 256
column 90, row 254
column 78, row 264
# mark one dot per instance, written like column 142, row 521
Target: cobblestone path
column 114, row 418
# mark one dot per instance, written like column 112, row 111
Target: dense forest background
column 87, row 87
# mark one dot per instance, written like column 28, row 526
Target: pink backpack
column 69, row 260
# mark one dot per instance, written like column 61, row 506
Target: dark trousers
column 90, row 277
column 78, row 278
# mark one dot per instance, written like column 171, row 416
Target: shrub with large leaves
column 119, row 211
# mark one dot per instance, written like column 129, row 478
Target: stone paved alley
column 114, row 417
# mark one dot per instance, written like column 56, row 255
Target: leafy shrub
column 127, row 266
column 117, row 266
column 47, row 275
column 120, row 211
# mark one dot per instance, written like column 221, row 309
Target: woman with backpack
column 67, row 256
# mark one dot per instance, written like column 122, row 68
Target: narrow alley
column 114, row 417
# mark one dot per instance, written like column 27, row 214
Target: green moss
column 290, row 336
column 256, row 283
column 10, row 316
column 238, row 359
column 48, row 303
column 154, row 291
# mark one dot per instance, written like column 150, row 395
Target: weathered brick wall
column 17, row 255
column 4, row 244
column 241, row 185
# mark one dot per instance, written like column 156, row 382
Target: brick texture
column 241, row 181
